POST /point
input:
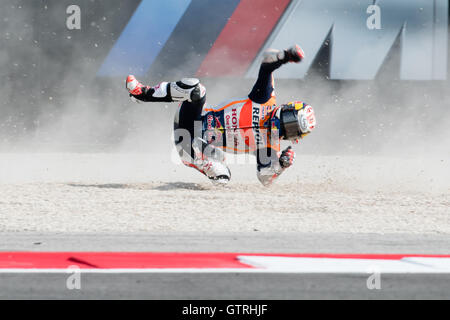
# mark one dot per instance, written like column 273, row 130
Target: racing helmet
column 297, row 120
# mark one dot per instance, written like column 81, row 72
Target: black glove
column 287, row 157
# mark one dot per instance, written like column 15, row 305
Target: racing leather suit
column 247, row 125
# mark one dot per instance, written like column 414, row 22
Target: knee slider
column 187, row 89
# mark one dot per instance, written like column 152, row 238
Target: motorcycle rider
column 254, row 124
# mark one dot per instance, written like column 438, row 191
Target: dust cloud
column 52, row 102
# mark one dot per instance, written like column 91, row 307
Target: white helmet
column 297, row 120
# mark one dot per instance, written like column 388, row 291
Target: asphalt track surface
column 230, row 286
column 228, row 242
column 338, row 205
column 234, row 285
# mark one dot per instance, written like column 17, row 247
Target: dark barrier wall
column 56, row 52
column 44, row 64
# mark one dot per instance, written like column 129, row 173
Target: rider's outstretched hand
column 287, row 157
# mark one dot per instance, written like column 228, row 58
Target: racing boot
column 292, row 54
column 211, row 162
column 216, row 171
column 133, row 86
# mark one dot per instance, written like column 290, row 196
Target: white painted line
column 344, row 265
column 437, row 263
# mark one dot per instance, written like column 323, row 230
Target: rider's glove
column 287, row 157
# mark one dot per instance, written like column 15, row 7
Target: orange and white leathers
column 250, row 125
column 244, row 126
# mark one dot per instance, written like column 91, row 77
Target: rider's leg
column 193, row 150
column 187, row 89
column 188, row 124
column 273, row 59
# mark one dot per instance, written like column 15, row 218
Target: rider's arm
column 270, row 165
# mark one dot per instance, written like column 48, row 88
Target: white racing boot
column 216, row 171
column 211, row 162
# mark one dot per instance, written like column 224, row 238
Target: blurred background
column 376, row 72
